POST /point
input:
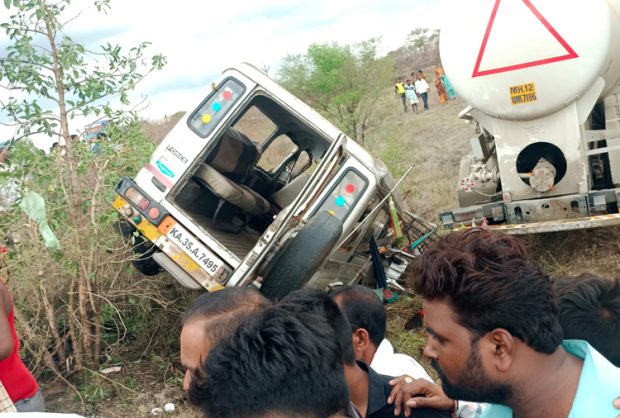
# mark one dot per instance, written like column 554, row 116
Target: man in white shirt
column 387, row 362
column 368, row 322
column 421, row 86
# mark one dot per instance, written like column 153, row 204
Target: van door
column 291, row 216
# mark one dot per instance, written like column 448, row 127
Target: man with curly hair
column 495, row 335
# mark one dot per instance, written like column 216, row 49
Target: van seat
column 238, row 194
column 234, row 156
column 290, row 191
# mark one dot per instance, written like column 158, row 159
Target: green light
column 137, row 219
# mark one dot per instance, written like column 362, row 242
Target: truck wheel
column 293, row 267
column 143, row 250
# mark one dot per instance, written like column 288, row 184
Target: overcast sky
column 202, row 38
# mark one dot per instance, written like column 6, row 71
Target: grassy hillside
column 431, row 141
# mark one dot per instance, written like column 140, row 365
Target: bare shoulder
column 6, row 301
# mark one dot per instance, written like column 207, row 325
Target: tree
column 46, row 67
column 51, row 79
column 420, row 38
column 342, row 82
column 421, row 50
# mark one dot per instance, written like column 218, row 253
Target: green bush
column 123, row 308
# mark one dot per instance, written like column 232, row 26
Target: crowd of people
column 504, row 339
column 416, row 88
column 495, row 321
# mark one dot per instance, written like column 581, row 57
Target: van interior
column 248, row 174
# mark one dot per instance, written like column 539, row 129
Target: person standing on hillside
column 441, row 88
column 446, row 83
column 399, row 88
column 19, row 383
column 411, row 95
column 421, row 86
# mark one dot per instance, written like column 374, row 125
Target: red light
column 227, row 95
column 153, row 213
column 350, row 188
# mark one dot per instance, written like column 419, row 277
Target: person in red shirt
column 19, row 383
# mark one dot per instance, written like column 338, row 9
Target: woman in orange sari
column 441, row 89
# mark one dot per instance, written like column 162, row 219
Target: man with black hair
column 368, row 319
column 279, row 364
column 495, row 335
column 212, row 317
column 368, row 390
column 590, row 310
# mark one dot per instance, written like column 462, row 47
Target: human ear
column 361, row 339
column 503, row 344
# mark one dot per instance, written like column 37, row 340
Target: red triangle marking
column 570, row 52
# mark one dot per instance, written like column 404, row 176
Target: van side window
column 344, row 195
column 256, row 126
column 276, row 152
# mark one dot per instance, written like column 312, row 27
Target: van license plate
column 198, row 252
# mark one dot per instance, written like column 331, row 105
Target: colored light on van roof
column 206, row 118
column 350, row 188
column 216, row 106
column 227, row 95
column 340, row 201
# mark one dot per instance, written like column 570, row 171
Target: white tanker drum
column 545, row 96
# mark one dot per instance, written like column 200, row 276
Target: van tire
column 293, row 267
column 146, row 264
column 142, row 249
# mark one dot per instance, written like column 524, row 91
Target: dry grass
column 409, row 342
column 156, row 130
column 134, row 392
column 568, row 253
column 433, row 142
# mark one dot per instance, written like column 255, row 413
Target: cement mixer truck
column 542, row 80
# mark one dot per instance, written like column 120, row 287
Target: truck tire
column 143, row 250
column 293, row 267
